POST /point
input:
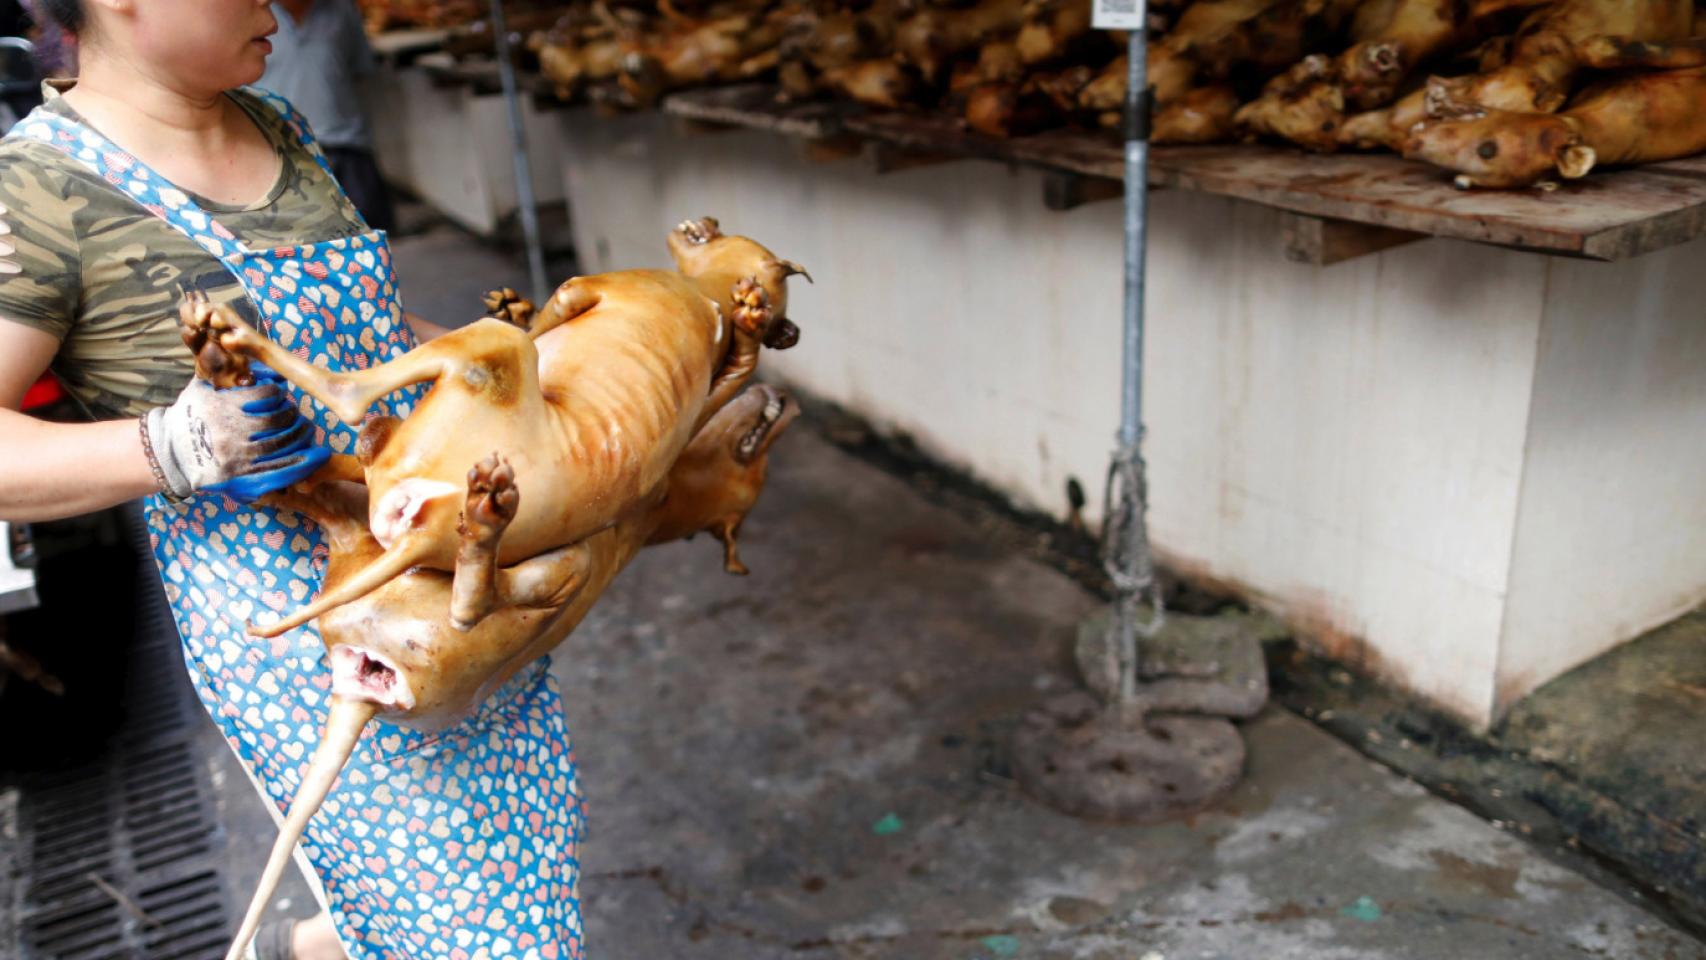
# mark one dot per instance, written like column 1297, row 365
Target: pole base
column 1082, row 758
column 1208, row 665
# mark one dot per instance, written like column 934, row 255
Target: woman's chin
column 249, row 72
column 250, row 64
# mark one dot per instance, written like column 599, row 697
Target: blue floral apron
column 462, row 844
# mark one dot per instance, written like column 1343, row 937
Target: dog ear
column 1576, row 160
column 789, row 268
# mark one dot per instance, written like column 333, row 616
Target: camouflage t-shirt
column 105, row 276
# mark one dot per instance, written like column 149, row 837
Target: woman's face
column 197, row 45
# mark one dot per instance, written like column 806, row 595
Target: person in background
column 20, row 75
column 320, row 54
column 14, row 19
column 55, row 49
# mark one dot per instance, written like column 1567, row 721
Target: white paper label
column 1116, row 15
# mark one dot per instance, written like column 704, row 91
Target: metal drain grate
column 122, row 855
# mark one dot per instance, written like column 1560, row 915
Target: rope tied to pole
column 1125, row 540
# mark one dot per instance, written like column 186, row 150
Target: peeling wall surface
column 1401, row 453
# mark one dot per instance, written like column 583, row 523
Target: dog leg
column 479, row 587
column 575, row 297
column 727, row 531
column 751, row 318
column 405, row 553
column 348, row 394
column 342, row 467
column 490, row 506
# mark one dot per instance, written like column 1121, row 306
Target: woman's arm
column 52, row 470
column 424, row 330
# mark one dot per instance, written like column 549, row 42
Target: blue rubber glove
column 242, row 442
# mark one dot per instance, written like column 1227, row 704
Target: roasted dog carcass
column 381, row 15
column 1639, row 118
column 931, row 39
column 450, row 671
column 723, row 45
column 607, row 423
column 1541, row 68
column 1308, row 103
column 585, row 46
column 607, row 383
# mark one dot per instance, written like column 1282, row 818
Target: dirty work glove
column 242, row 442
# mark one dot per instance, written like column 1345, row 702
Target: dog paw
column 214, row 334
column 492, row 501
column 509, row 306
column 700, row 231
column 752, row 313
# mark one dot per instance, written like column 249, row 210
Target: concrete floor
column 1625, row 731
column 811, row 762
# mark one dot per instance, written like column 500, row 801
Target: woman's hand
column 242, row 441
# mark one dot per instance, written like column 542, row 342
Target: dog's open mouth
column 364, row 675
column 753, row 441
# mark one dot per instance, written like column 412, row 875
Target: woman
column 155, row 174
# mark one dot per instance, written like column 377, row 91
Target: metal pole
column 1137, row 575
column 1136, row 234
column 523, row 165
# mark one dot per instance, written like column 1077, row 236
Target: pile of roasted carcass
column 382, row 15
column 470, row 538
column 1503, row 93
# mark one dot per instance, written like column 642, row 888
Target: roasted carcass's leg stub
column 1005, row 110
column 932, row 38
column 1273, row 39
column 636, row 361
column 1621, row 53
column 1052, row 31
column 570, row 64
column 1387, row 127
column 1176, row 61
column 996, row 63
column 883, row 82
column 1395, row 36
column 1202, row 116
column 837, row 40
column 1308, row 116
column 683, row 51
column 396, row 654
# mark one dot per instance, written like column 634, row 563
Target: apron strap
column 297, row 125
column 131, row 177
column 155, row 193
